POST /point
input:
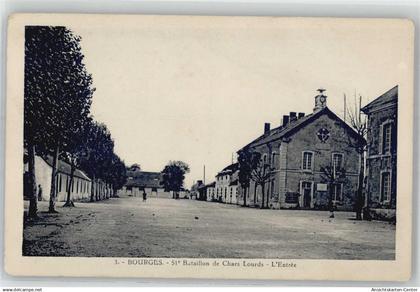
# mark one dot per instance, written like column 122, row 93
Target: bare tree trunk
column 255, row 194
column 262, row 195
column 69, row 202
column 33, row 200
column 97, row 189
column 92, row 189
column 51, row 207
column 359, row 194
column 245, row 190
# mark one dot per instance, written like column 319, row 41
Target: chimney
column 320, row 100
column 301, row 115
column 285, row 120
column 266, row 128
column 292, row 116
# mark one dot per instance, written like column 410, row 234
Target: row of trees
column 57, row 99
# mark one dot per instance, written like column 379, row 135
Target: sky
column 198, row 89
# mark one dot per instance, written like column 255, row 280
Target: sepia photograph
column 166, row 140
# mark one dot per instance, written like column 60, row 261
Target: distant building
column 202, row 192
column 381, row 160
column 225, row 187
column 210, row 192
column 232, row 197
column 144, row 181
column 80, row 188
column 196, row 188
column 295, row 154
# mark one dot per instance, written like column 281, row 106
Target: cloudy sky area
column 198, row 90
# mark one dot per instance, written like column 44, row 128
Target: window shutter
column 394, row 138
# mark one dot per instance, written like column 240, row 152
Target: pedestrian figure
column 144, row 196
column 39, row 193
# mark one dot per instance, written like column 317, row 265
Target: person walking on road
column 144, row 196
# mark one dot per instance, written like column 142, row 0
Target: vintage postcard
column 209, row 147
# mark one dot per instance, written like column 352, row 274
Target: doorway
column 306, row 194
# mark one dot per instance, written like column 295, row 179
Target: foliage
column 99, row 151
column 247, row 160
column 57, row 92
column 117, row 172
column 173, row 175
column 58, row 89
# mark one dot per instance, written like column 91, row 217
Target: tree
column 58, row 91
column 247, row 161
column 75, row 151
column 358, row 122
column 116, row 174
column 99, row 151
column 261, row 173
column 173, row 176
column 332, row 175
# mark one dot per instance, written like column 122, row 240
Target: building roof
column 197, row 185
column 211, row 185
column 388, row 98
column 65, row 168
column 229, row 169
column 144, row 179
column 234, row 182
column 294, row 126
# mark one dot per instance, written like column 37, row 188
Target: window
column 337, row 191
column 273, row 159
column 307, row 160
column 385, row 162
column 385, row 187
column 386, row 138
column 264, row 159
column 337, row 160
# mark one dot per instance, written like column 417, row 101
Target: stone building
column 80, row 188
column 297, row 155
column 381, row 159
column 226, row 184
column 144, row 181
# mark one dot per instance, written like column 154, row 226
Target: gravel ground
column 128, row 227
